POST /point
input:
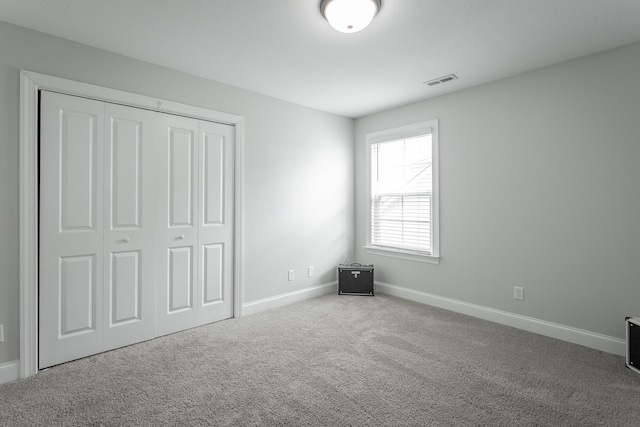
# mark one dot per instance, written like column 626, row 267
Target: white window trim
column 402, row 132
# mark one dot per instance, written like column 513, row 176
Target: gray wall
column 298, row 167
column 540, row 187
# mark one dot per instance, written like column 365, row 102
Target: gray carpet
column 336, row 361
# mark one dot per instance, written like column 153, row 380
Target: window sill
column 402, row 254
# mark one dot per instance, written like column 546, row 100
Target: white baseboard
column 9, row 371
column 554, row 330
column 288, row 298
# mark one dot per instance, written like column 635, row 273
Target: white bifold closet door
column 136, row 225
column 195, row 251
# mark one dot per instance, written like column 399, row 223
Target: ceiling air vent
column 440, row 80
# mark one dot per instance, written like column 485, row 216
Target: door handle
column 125, row 240
column 181, row 237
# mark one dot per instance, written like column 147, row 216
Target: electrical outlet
column 1, row 333
column 311, row 271
column 292, row 275
column 518, row 293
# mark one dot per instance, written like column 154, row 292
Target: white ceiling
column 285, row 48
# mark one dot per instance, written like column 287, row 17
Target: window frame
column 393, row 134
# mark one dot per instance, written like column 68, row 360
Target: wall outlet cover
column 518, row 293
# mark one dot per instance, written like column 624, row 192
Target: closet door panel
column 181, row 169
column 215, row 227
column 180, row 280
column 129, row 252
column 213, row 179
column 71, row 223
column 78, row 171
column 177, row 233
column 125, row 288
column 213, row 274
column 126, row 170
column 77, row 295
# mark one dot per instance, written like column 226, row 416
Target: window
column 403, row 192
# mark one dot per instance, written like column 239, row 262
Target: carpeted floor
column 335, row 361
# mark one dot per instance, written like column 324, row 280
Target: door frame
column 30, row 85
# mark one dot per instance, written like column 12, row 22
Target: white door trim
column 30, row 84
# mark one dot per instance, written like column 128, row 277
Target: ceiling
column 285, row 48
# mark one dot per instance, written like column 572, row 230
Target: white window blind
column 401, row 194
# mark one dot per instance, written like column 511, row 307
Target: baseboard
column 554, row 330
column 288, row 298
column 9, row 371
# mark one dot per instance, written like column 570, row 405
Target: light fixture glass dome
column 349, row 16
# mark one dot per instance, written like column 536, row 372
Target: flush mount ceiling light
column 349, row 16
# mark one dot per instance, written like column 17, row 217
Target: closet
column 136, row 225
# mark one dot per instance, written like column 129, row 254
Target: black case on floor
column 355, row 279
column 633, row 343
